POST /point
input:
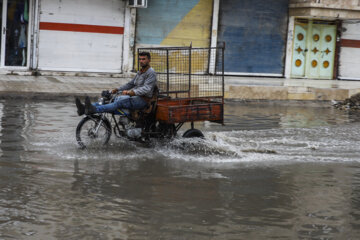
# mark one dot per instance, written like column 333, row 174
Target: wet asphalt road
column 278, row 171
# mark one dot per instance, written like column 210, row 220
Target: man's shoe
column 89, row 108
column 80, row 107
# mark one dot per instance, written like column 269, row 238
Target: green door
column 313, row 56
column 299, row 50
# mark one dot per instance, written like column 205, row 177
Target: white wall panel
column 96, row 12
column 351, row 30
column 349, row 63
column 81, row 51
column 350, row 56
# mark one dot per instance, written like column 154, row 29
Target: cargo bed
column 189, row 110
column 191, row 86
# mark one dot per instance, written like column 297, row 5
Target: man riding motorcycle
column 135, row 95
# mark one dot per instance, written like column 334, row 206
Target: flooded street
column 280, row 171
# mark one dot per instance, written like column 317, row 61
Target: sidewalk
column 255, row 88
column 50, row 87
column 237, row 88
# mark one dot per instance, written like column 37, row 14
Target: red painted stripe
column 80, row 28
column 350, row 43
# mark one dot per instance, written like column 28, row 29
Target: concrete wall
column 344, row 4
column 340, row 9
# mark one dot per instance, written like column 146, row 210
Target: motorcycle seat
column 149, row 108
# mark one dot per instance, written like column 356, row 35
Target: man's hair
column 145, row 54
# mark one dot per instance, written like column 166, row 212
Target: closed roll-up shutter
column 350, row 51
column 255, row 35
column 82, row 35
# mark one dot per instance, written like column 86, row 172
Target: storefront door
column 14, row 35
column 314, row 49
column 81, row 35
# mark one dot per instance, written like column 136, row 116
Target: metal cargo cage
column 190, row 82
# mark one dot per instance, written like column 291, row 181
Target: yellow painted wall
column 161, row 25
column 194, row 27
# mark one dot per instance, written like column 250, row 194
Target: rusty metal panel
column 174, row 111
column 255, row 35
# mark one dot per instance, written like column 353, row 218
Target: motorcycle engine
column 131, row 130
column 134, row 133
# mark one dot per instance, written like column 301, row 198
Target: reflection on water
column 12, row 120
column 265, row 115
column 273, row 171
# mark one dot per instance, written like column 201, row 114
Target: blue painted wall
column 255, row 35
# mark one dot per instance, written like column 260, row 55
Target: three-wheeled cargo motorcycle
column 190, row 88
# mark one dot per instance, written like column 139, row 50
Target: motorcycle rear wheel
column 193, row 133
column 86, row 134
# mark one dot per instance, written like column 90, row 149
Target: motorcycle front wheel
column 93, row 131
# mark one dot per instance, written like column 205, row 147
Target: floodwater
column 274, row 171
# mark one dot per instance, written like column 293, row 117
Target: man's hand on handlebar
column 106, row 94
column 130, row 93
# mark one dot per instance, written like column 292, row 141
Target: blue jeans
column 122, row 102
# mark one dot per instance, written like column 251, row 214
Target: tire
column 85, row 135
column 193, row 133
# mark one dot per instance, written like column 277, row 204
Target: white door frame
column 3, row 39
column 289, row 47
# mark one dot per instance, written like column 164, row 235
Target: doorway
column 314, row 47
column 15, row 33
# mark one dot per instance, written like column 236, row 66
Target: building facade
column 315, row 39
column 323, row 39
column 55, row 35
